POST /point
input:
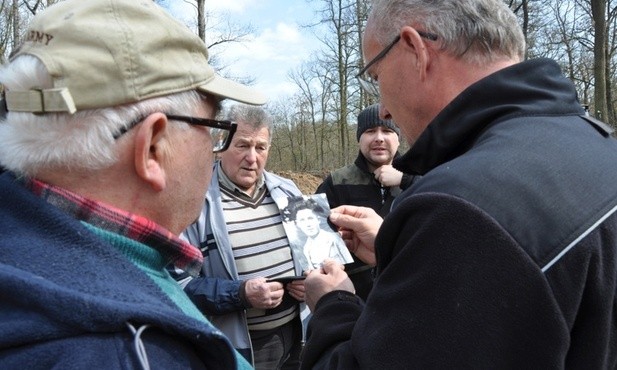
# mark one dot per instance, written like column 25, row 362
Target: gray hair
column 254, row 116
column 81, row 141
column 478, row 31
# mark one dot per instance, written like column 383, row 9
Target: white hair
column 478, row 31
column 254, row 116
column 85, row 140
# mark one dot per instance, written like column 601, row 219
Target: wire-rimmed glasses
column 366, row 81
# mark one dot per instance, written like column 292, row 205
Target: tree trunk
column 201, row 19
column 598, row 12
column 16, row 24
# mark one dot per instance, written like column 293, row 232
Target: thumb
column 329, row 266
column 338, row 219
column 344, row 221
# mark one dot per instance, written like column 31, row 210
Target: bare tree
column 611, row 64
column 14, row 18
column 598, row 12
column 568, row 42
column 6, row 35
column 16, row 24
column 361, row 18
column 341, row 53
column 521, row 8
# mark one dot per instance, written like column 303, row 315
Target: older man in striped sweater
column 241, row 235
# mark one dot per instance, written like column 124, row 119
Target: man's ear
column 416, row 45
column 151, row 140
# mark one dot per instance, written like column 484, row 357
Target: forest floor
column 306, row 182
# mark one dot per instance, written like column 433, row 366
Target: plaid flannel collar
column 182, row 254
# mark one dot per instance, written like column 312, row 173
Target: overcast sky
column 279, row 42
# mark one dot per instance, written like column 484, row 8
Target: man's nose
column 251, row 154
column 384, row 114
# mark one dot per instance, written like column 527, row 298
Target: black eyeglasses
column 221, row 131
column 367, row 82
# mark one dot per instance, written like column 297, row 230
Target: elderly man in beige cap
column 107, row 136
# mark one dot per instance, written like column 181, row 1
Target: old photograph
column 312, row 239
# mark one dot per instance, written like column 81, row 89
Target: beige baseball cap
column 103, row 53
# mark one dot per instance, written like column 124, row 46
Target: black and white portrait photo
column 312, row 239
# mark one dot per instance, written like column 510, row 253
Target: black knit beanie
column 369, row 118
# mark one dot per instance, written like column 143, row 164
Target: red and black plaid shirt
column 182, row 254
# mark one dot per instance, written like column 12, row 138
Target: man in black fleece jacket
column 503, row 254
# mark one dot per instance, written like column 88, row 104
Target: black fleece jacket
column 356, row 185
column 503, row 255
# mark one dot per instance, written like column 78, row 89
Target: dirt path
column 307, row 182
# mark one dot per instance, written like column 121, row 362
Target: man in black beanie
column 370, row 181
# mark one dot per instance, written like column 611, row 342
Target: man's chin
column 380, row 160
column 247, row 182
